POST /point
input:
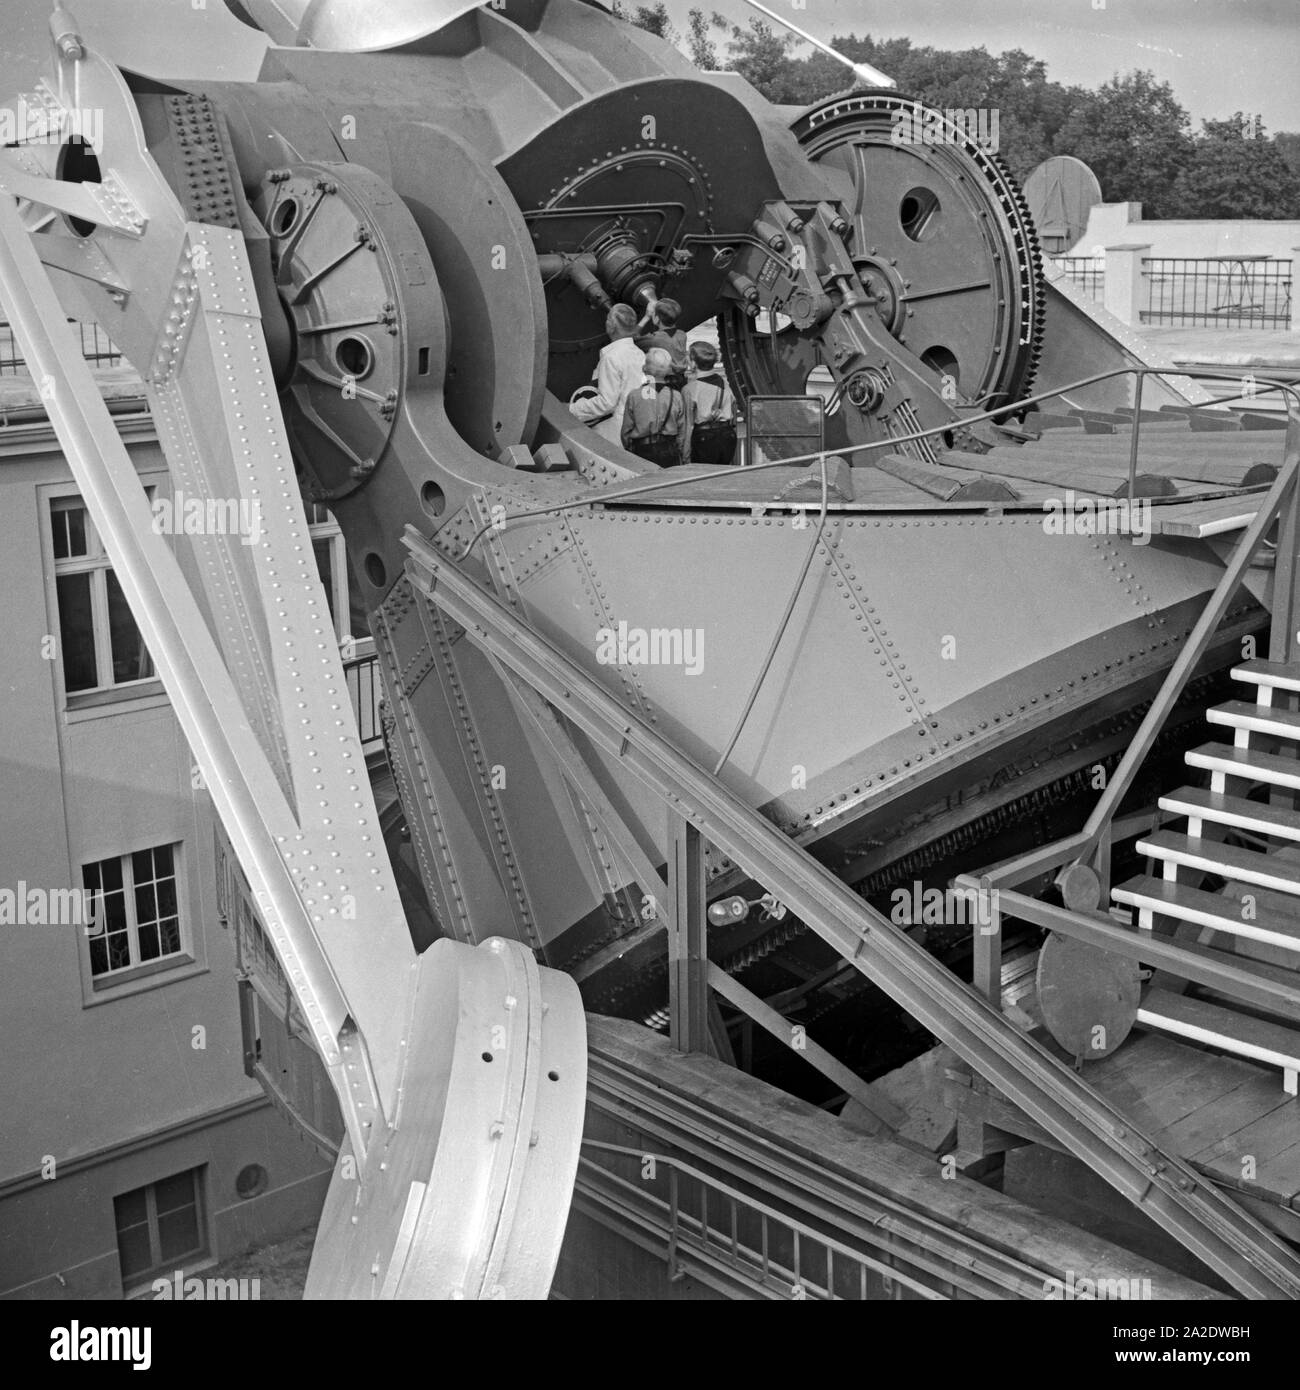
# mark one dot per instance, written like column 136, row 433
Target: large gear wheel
column 943, row 241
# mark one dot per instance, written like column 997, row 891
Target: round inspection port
column 353, row 357
column 285, row 216
column 919, row 213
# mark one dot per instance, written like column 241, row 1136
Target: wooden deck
column 1229, row 1118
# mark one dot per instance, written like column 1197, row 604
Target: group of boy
column 661, row 398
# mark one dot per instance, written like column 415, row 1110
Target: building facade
column 134, row 1143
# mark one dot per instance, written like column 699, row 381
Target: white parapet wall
column 1116, row 224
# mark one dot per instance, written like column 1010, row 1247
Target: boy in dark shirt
column 662, row 322
column 654, row 419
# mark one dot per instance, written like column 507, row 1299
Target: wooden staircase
column 1261, row 900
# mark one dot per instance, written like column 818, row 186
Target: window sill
column 190, row 1267
column 124, row 983
column 94, row 704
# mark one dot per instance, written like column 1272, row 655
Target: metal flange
column 338, row 261
column 466, row 1194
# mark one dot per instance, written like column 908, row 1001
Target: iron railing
column 361, row 671
column 712, row 1226
column 1281, row 504
column 96, row 347
column 1218, row 291
column 1087, row 272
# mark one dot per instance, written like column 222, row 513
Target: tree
column 1234, row 171
column 654, row 19
column 1134, row 135
column 1288, row 146
column 699, row 43
column 761, row 56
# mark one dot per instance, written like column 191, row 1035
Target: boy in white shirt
column 621, row 370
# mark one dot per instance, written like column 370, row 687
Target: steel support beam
column 688, row 940
column 1215, row 1229
column 887, row 1115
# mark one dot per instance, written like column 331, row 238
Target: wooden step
column 1215, row 1026
column 1277, row 675
column 1198, row 804
column 1160, row 897
column 1047, row 420
column 1246, row 763
column 1257, row 420
column 1258, row 719
column 1214, row 424
column 1211, row 856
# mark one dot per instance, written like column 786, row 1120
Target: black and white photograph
column 651, row 654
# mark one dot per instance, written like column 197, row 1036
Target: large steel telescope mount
column 396, row 315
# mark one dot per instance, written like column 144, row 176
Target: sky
column 1220, row 56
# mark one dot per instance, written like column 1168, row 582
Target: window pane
column 149, row 942
column 178, row 1233
column 146, row 907
column 167, row 897
column 110, row 947
column 119, row 950
column 131, row 659
column 169, row 930
column 131, row 1214
column 130, row 1209
column 76, row 632
column 113, row 914
column 171, row 1194
column 325, row 566
column 176, row 1203
column 133, row 1252
column 68, row 522
column 105, row 874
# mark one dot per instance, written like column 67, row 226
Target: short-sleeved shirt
column 674, row 344
column 653, row 409
column 708, row 399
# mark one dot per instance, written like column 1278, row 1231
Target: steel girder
column 257, row 685
column 1168, row 1190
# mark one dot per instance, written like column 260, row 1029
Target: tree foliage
column 1136, row 138
column 1131, row 130
column 1235, row 171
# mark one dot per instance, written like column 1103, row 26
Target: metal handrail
column 605, row 497
column 757, row 1263
column 1282, row 491
column 1198, row 638
column 1085, row 846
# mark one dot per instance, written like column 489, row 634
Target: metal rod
column 604, row 497
column 873, row 77
column 1283, row 489
column 1101, row 930
column 780, row 630
column 889, row 1116
column 1133, row 443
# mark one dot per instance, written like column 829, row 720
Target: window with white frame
column 332, row 564
column 99, row 643
column 137, row 910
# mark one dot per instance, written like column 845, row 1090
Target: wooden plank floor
column 1229, row 1117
